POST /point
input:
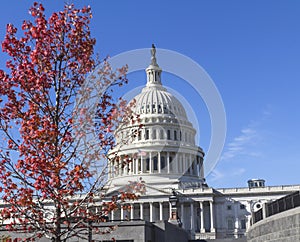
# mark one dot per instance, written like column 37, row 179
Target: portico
column 190, row 213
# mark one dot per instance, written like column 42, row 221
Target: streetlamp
column 173, row 199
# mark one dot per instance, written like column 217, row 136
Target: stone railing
column 284, row 226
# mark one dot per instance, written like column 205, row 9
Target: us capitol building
column 165, row 156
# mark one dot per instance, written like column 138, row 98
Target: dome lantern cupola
column 153, row 71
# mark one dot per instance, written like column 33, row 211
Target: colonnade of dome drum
column 162, row 162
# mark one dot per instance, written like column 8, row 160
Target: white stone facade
column 164, row 154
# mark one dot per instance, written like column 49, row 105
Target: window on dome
column 153, row 108
column 162, row 162
column 155, row 162
column 161, row 134
column 139, row 161
column 159, row 109
column 180, row 135
column 154, row 134
column 147, row 134
column 171, row 165
column 243, row 223
column 230, row 224
column 168, row 134
column 147, row 164
column 175, row 135
column 165, row 109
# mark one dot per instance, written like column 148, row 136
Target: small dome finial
column 153, row 58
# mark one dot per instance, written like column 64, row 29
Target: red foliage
column 43, row 168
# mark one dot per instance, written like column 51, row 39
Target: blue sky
column 251, row 49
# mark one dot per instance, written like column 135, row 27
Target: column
column 109, row 164
column 132, row 211
column 236, row 219
column 113, row 172
column 202, row 229
column 182, row 214
column 264, row 209
column 170, row 210
column 130, row 166
column 193, row 166
column 141, row 211
column 212, row 228
column 202, row 168
column 109, row 169
column 176, row 164
column 159, row 162
column 160, row 211
column 190, row 164
column 184, row 163
column 192, row 218
column 180, row 162
column 142, row 164
column 112, row 215
column 199, row 167
column 137, row 166
column 168, row 162
column 125, row 168
column 150, row 163
column 120, row 166
column 122, row 213
column 151, row 211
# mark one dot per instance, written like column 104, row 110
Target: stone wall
column 284, row 226
column 220, row 240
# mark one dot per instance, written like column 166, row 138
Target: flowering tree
column 50, row 178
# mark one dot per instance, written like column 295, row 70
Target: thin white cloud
column 238, row 172
column 241, row 143
column 217, row 175
column 246, row 142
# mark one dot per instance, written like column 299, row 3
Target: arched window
column 175, row 135
column 147, row 134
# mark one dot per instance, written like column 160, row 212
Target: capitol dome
column 155, row 99
column 163, row 151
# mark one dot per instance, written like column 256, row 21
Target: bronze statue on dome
column 153, row 58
